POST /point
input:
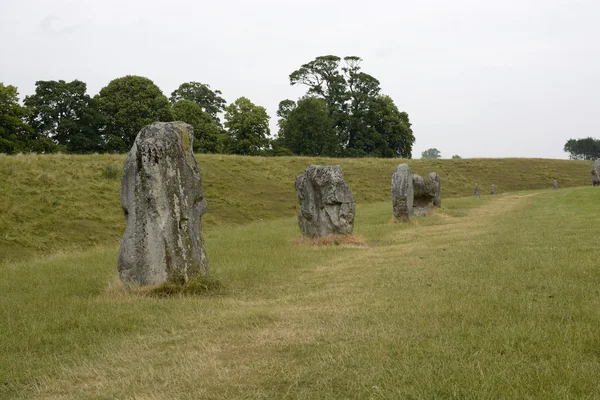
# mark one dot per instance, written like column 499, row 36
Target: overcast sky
column 478, row 78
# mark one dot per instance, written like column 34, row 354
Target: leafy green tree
column 209, row 100
column 306, row 127
column 431, row 153
column 248, row 127
column 353, row 102
column 456, row 157
column 63, row 112
column 206, row 131
column 15, row 134
column 393, row 126
column 583, row 149
column 128, row 104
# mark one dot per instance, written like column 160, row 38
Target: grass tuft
column 201, row 286
column 110, row 172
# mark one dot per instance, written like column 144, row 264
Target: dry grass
column 331, row 240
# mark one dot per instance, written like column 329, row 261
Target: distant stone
column 326, row 202
column 596, row 173
column 493, row 191
column 425, row 192
column 402, row 193
column 162, row 199
column 477, row 190
column 554, row 185
column 435, row 179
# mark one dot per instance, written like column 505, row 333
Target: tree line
column 583, row 149
column 342, row 114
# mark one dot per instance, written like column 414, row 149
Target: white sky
column 478, row 78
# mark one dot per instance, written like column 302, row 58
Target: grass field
column 496, row 298
column 63, row 202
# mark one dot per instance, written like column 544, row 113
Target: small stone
column 326, row 203
column 435, row 179
column 493, row 191
column 162, row 199
column 554, row 185
column 477, row 190
column 596, row 173
column 402, row 192
column 425, row 191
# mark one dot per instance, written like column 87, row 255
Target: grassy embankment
column 62, row 202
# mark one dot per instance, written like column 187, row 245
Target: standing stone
column 596, row 173
column 402, row 192
column 493, row 191
column 425, row 191
column 161, row 196
column 477, row 190
column 435, row 178
column 554, row 185
column 326, row 203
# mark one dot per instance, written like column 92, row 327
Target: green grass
column 490, row 298
column 66, row 202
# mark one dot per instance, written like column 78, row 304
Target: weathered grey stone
column 435, row 179
column 326, row 202
column 161, row 196
column 425, row 191
column 402, row 192
column 596, row 173
column 493, row 190
column 554, row 185
column 477, row 190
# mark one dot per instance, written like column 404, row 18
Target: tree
column 456, row 157
column 394, row 128
column 15, row 134
column 206, row 131
column 583, row 149
column 63, row 113
column 248, row 127
column 431, row 153
column 363, row 119
column 306, row 127
column 128, row 104
column 210, row 101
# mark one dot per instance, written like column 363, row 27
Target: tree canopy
column 15, row 135
column 206, row 131
column 63, row 113
column 431, row 153
column 366, row 122
column 128, row 104
column 248, row 127
column 210, row 101
column 583, row 149
column 342, row 114
column 306, row 128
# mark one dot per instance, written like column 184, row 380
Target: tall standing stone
column 554, row 185
column 477, row 191
column 402, row 193
column 162, row 199
column 326, row 202
column 435, row 178
column 493, row 190
column 425, row 192
column 596, row 173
